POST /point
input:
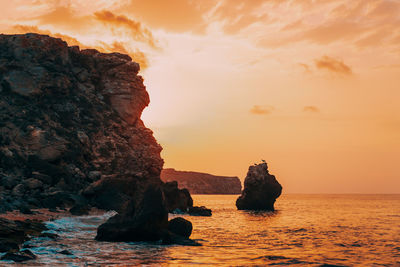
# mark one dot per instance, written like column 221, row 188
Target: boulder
column 79, row 209
column 145, row 221
column 20, row 256
column 176, row 199
column 199, row 211
column 7, row 245
column 14, row 233
column 261, row 189
column 180, row 226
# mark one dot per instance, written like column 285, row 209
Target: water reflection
column 305, row 230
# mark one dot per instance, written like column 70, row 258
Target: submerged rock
column 66, row 252
column 199, row 211
column 261, row 189
column 13, row 234
column 20, row 256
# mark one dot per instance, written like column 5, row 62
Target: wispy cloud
column 305, row 67
column 333, row 65
column 311, row 109
column 137, row 30
column 261, row 110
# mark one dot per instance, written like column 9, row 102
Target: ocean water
column 306, row 230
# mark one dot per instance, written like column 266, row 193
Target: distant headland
column 202, row 183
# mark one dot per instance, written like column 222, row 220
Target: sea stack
column 261, row 189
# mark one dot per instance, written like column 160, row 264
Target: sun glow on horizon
column 312, row 87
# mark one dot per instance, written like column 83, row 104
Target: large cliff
column 202, row 183
column 70, row 126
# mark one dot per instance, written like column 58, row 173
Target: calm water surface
column 306, row 230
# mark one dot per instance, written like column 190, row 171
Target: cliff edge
column 70, row 127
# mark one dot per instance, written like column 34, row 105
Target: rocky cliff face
column 202, row 183
column 70, row 124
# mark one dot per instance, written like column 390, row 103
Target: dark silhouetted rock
column 66, row 252
column 49, row 236
column 143, row 221
column 68, row 118
column 20, row 256
column 6, row 245
column 202, row 183
column 79, row 210
column 261, row 189
column 180, row 226
column 176, row 199
column 199, row 211
column 14, row 233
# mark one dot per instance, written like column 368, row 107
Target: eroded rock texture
column 70, row 124
column 261, row 189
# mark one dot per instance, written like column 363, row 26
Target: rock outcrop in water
column 261, row 189
column 202, row 183
column 146, row 221
column 70, row 122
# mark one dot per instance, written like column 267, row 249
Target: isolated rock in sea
column 261, row 189
column 202, row 183
column 144, row 221
column 70, row 118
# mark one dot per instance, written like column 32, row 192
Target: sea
column 305, row 230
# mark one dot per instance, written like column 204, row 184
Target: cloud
column 171, row 15
column 306, row 67
column 137, row 30
column 236, row 15
column 333, row 65
column 311, row 109
column 261, row 110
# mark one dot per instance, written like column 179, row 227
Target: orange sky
column 312, row 87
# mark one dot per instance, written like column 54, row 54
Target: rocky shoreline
column 71, row 139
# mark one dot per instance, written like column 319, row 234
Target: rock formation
column 12, row 236
column 70, row 123
column 261, row 189
column 202, row 183
column 144, row 221
column 147, row 221
column 177, row 200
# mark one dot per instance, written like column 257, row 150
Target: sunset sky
column 312, row 87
